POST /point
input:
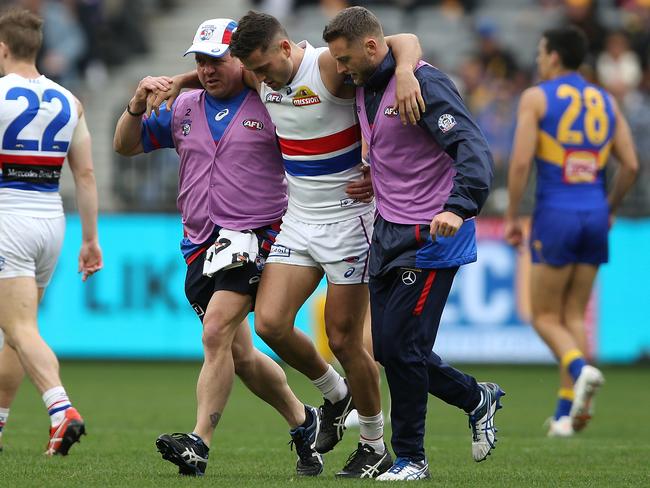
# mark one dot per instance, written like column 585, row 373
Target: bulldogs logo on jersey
column 446, row 122
column 274, row 97
column 305, row 96
column 253, row 124
column 391, row 112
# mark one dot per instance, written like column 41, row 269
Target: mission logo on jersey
column 305, row 96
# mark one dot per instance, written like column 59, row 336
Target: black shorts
column 244, row 279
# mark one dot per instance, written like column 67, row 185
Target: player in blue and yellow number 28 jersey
column 569, row 127
column 573, row 144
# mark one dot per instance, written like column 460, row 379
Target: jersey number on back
column 10, row 140
column 596, row 120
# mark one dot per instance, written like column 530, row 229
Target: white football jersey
column 37, row 120
column 320, row 141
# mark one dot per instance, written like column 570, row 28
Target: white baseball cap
column 213, row 37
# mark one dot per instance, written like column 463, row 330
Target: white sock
column 331, row 385
column 480, row 402
column 57, row 402
column 4, row 415
column 371, row 431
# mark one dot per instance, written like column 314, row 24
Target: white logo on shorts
column 198, row 309
column 253, row 280
column 279, row 251
column 446, row 122
column 409, row 277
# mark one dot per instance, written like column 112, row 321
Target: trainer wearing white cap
column 231, row 183
column 213, row 37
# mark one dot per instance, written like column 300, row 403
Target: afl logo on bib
column 252, row 124
column 391, row 112
column 446, row 122
column 305, row 96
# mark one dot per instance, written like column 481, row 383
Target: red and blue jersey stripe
column 322, row 155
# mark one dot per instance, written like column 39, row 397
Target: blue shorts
column 563, row 236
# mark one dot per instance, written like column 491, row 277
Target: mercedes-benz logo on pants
column 408, row 277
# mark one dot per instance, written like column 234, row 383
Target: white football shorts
column 340, row 249
column 30, row 246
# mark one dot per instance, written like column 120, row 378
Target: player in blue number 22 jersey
column 40, row 124
column 569, row 127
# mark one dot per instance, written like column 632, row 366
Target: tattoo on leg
column 214, row 419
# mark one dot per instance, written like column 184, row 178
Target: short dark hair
column 21, row 31
column 353, row 24
column 255, row 30
column 570, row 43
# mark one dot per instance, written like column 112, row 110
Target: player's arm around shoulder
column 81, row 165
column 408, row 93
column 333, row 80
column 128, row 135
column 624, row 151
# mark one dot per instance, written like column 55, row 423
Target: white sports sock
column 331, row 385
column 4, row 415
column 371, row 431
column 57, row 402
column 480, row 403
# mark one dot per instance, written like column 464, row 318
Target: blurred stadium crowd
column 84, row 39
column 487, row 46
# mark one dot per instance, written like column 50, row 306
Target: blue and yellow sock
column 573, row 361
column 564, row 402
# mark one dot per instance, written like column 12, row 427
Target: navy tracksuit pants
column 406, row 306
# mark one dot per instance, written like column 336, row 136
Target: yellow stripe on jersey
column 603, row 155
column 551, row 151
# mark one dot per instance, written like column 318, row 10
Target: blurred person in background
column 40, row 124
column 475, row 90
column 497, row 120
column 232, row 187
column 64, row 42
column 637, row 112
column 497, row 59
column 568, row 127
column 618, row 67
column 431, row 180
column 584, row 15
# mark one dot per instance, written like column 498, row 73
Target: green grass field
column 126, row 405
